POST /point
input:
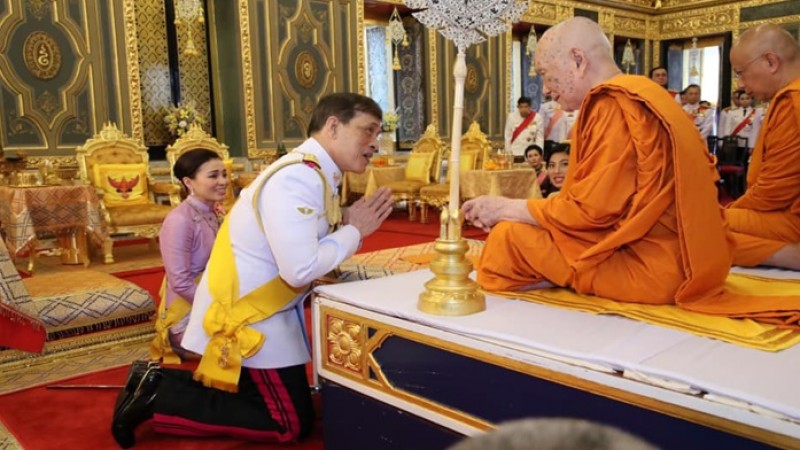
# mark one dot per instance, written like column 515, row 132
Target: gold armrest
column 164, row 188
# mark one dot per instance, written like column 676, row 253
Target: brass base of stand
column 451, row 292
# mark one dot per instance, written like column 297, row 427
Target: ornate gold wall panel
column 151, row 35
column 61, row 73
column 696, row 23
column 293, row 53
column 194, row 71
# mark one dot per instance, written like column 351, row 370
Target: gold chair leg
column 32, row 258
column 423, row 212
column 108, row 246
column 412, row 210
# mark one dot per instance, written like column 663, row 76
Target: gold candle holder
column 451, row 292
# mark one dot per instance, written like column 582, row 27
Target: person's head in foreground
column 348, row 126
column 202, row 175
column 524, row 106
column 533, row 155
column 660, row 76
column 572, row 57
column 764, row 59
column 553, row 434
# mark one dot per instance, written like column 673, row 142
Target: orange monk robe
column 637, row 219
column 767, row 216
column 614, row 229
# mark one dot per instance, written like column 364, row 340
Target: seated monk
column 766, row 220
column 637, row 218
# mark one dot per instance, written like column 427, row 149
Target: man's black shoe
column 137, row 409
column 135, row 374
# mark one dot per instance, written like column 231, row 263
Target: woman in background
column 533, row 156
column 557, row 163
column 186, row 238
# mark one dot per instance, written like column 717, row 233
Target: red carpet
column 149, row 279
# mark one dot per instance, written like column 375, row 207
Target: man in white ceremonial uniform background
column 703, row 116
column 558, row 122
column 524, row 127
column 744, row 121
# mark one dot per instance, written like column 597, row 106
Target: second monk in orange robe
column 637, row 219
column 766, row 219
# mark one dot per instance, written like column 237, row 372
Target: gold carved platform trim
column 348, row 351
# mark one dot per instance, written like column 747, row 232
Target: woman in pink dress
column 186, row 238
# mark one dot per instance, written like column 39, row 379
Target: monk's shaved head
column 765, row 58
column 576, row 33
column 573, row 57
column 769, row 38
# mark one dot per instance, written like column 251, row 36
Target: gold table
column 71, row 213
column 511, row 183
column 368, row 182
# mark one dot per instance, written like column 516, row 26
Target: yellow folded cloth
column 746, row 332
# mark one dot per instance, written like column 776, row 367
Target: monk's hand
column 368, row 213
column 486, row 211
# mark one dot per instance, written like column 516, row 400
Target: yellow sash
column 161, row 348
column 228, row 317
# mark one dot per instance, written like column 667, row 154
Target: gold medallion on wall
column 42, row 55
column 305, row 70
column 471, row 82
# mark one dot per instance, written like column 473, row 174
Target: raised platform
column 393, row 375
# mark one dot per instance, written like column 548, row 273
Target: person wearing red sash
column 523, row 128
column 744, row 121
column 558, row 122
column 722, row 126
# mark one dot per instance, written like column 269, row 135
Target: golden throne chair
column 475, row 148
column 118, row 167
column 196, row 138
column 422, row 169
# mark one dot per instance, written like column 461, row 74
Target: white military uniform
column 703, row 118
column 532, row 134
column 751, row 117
column 293, row 244
column 562, row 122
column 722, row 121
